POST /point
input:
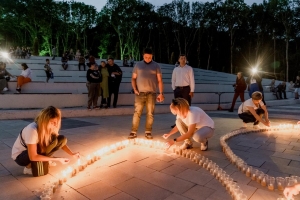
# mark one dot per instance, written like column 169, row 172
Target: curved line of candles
column 255, row 174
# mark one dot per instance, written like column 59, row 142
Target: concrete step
column 128, row 110
column 64, row 100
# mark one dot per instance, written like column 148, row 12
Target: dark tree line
column 227, row 36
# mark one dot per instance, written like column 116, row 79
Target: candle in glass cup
column 280, row 183
column 187, row 155
column 191, row 155
column 248, row 171
column 271, row 183
column 184, row 153
column 89, row 159
column 244, row 168
column 180, row 151
column 205, row 164
column 201, row 161
column 259, row 176
column 174, row 149
column 264, row 180
column 254, row 175
column 63, row 177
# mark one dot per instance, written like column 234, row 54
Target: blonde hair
column 181, row 104
column 42, row 121
column 257, row 96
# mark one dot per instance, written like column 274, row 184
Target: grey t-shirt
column 146, row 80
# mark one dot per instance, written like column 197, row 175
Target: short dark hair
column 181, row 55
column 148, row 51
column 47, row 59
column 110, row 58
column 24, row 65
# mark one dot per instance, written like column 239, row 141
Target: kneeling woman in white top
column 253, row 109
column 40, row 139
column 190, row 122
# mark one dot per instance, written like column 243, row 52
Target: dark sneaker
column 19, row 90
column 101, row 106
column 230, row 110
column 148, row 136
column 132, row 136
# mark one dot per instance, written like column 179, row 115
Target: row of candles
column 232, row 187
column 50, row 188
column 255, row 174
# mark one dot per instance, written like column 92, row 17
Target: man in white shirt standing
column 183, row 81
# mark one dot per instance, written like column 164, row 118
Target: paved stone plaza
column 146, row 173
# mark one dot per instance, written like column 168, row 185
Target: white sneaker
column 186, row 145
column 204, row 146
column 5, row 89
column 52, row 164
column 256, row 126
column 244, row 125
column 27, row 171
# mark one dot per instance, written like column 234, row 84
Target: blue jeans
column 143, row 99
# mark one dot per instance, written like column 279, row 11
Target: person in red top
column 240, row 86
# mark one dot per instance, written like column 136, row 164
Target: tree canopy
column 226, row 35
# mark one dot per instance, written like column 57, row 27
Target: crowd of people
column 104, row 81
column 20, row 52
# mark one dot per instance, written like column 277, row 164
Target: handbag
column 51, row 75
column 39, row 168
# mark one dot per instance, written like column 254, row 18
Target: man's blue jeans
column 143, row 99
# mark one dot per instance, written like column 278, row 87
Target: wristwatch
column 175, row 140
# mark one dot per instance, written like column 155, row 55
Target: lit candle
column 113, row 148
column 263, row 182
column 271, row 186
column 79, row 165
column 89, row 159
column 63, row 178
column 280, row 186
column 69, row 172
column 95, row 156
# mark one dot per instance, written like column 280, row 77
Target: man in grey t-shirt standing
column 146, row 76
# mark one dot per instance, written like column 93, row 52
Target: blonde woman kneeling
column 190, row 122
column 39, row 140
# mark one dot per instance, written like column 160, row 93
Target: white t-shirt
column 30, row 136
column 26, row 73
column 197, row 116
column 249, row 103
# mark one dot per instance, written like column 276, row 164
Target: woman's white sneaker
column 203, row 146
column 27, row 171
column 5, row 89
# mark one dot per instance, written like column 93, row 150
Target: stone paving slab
column 143, row 190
